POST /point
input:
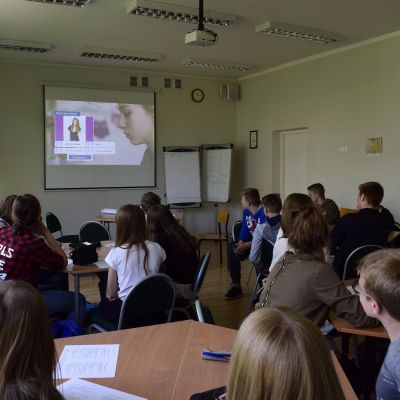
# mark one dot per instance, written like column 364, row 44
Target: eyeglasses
column 356, row 287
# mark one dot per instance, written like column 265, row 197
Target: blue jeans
column 62, row 303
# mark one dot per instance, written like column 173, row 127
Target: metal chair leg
column 254, row 293
column 248, row 278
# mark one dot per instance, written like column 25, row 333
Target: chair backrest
column 237, row 226
column 150, row 302
column 53, row 223
column 223, row 219
column 267, row 249
column 344, row 211
column 93, row 231
column 200, row 274
column 354, row 257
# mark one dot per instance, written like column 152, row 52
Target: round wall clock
column 197, row 95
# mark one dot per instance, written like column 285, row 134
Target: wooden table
column 77, row 271
column 164, row 361
column 371, row 335
column 106, row 219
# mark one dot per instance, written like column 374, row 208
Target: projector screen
column 99, row 138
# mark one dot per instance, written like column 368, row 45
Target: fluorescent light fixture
column 20, row 45
column 123, row 55
column 215, row 64
column 157, row 9
column 76, row 3
column 297, row 32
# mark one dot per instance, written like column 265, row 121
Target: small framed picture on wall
column 253, row 140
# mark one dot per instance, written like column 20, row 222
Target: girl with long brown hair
column 180, row 247
column 132, row 259
column 27, row 353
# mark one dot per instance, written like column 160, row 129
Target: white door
column 294, row 162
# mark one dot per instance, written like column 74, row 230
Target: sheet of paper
column 350, row 289
column 88, row 361
column 78, row 389
column 101, row 264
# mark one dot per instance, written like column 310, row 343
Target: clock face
column 197, row 95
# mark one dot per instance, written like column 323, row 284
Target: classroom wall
column 342, row 99
column 180, row 121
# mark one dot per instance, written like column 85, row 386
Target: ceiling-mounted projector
column 201, row 37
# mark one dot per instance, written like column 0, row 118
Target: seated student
column 132, row 259
column 330, row 210
column 294, row 203
column 280, row 355
column 180, row 247
column 252, row 215
column 27, row 352
column 148, row 200
column 379, row 291
column 302, row 280
column 268, row 230
column 5, row 211
column 367, row 226
column 26, row 247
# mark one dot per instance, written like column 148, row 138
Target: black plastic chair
column 236, row 227
column 350, row 266
column 53, row 225
column 150, row 302
column 185, row 306
column 266, row 259
column 93, row 231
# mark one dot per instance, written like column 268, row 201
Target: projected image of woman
column 137, row 122
column 74, row 130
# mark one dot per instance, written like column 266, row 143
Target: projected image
column 97, row 133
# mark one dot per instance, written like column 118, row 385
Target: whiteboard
column 216, row 172
column 182, row 175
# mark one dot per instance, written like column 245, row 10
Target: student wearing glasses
column 379, row 291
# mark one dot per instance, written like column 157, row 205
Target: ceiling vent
column 298, row 32
column 20, row 45
column 75, row 3
column 173, row 12
column 121, row 55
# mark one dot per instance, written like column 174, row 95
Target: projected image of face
column 137, row 122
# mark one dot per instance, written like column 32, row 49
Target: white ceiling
column 105, row 24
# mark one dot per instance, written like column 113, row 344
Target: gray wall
column 342, row 99
column 180, row 121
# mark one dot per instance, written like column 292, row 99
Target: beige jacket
column 312, row 287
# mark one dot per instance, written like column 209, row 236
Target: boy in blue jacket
column 253, row 214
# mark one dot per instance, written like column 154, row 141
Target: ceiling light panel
column 121, row 55
column 297, row 32
column 76, row 3
column 173, row 12
column 20, row 45
column 215, row 64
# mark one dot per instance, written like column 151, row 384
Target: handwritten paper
column 78, row 389
column 89, row 361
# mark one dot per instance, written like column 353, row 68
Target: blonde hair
column 381, row 274
column 280, row 355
